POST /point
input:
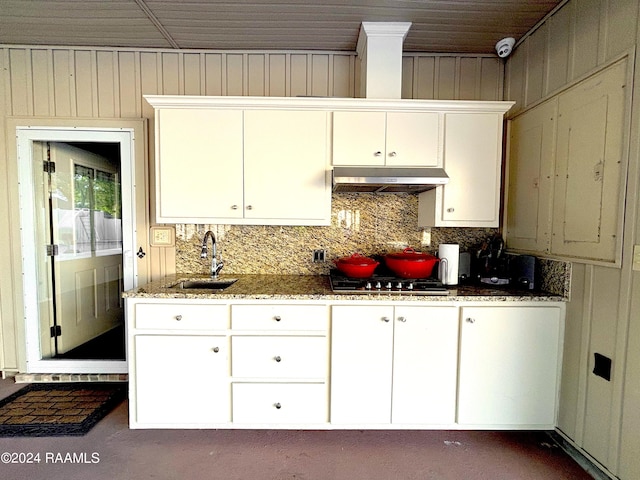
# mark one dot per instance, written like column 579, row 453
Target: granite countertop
column 316, row 287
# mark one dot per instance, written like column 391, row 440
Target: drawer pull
column 385, row 319
column 402, row 319
column 470, row 320
column 216, row 349
column 277, row 405
column 178, row 317
column 277, row 358
column 277, row 318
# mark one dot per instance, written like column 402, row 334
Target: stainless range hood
column 387, row 179
column 380, row 61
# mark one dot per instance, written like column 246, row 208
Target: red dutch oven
column 356, row 266
column 411, row 264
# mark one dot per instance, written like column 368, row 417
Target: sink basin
column 214, row 284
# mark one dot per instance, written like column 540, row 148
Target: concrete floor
column 110, row 451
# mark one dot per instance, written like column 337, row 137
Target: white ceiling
column 441, row 26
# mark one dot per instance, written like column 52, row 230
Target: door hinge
column 52, row 250
column 49, row 166
column 56, row 331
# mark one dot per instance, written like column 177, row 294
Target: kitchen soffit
column 454, row 26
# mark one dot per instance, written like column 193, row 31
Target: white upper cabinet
column 198, row 165
column 473, row 161
column 262, row 160
column 286, row 165
column 399, row 139
column 238, row 165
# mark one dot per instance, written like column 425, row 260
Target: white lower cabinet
column 280, row 403
column 425, row 365
column 279, row 364
column 509, row 366
column 181, row 379
column 393, row 365
column 414, row 364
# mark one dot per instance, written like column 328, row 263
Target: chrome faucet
column 216, row 265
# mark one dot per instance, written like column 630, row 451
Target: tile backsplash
column 365, row 223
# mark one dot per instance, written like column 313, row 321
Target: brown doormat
column 58, row 409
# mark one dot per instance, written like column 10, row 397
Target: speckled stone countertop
column 316, row 287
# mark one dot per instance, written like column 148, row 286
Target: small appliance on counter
column 464, row 267
column 492, row 266
column 449, row 254
column 523, row 271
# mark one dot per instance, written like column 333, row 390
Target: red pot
column 411, row 264
column 356, row 266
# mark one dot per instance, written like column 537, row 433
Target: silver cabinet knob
column 393, row 154
column 249, row 207
column 377, row 154
column 277, row 405
column 451, row 209
column 234, row 207
column 402, row 319
column 178, row 317
column 216, row 349
column 385, row 319
column 277, row 358
column 277, row 318
column 470, row 320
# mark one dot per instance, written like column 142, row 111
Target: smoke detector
column 504, row 46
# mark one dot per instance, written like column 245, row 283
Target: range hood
column 380, row 65
column 387, row 179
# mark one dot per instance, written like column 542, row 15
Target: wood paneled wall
column 578, row 38
column 100, row 83
column 603, row 315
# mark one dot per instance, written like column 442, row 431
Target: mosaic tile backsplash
column 365, row 223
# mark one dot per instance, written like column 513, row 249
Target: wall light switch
column 636, row 258
column 162, row 236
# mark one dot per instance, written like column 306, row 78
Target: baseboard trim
column 590, row 465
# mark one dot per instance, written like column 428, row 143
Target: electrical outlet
column 319, row 256
column 636, row 258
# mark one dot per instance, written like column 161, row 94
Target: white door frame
column 25, row 138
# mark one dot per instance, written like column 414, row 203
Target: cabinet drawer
column 279, row 357
column 279, row 317
column 279, row 403
column 181, row 316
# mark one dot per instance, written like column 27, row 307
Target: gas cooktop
column 340, row 283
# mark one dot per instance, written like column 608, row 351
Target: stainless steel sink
column 213, row 284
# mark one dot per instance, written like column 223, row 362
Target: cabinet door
column 361, row 362
column 181, row 380
column 413, row 139
column 425, row 365
column 589, row 190
column 509, row 366
column 472, row 159
column 472, row 153
column 286, row 166
column 532, row 149
column 198, row 165
column 359, row 138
